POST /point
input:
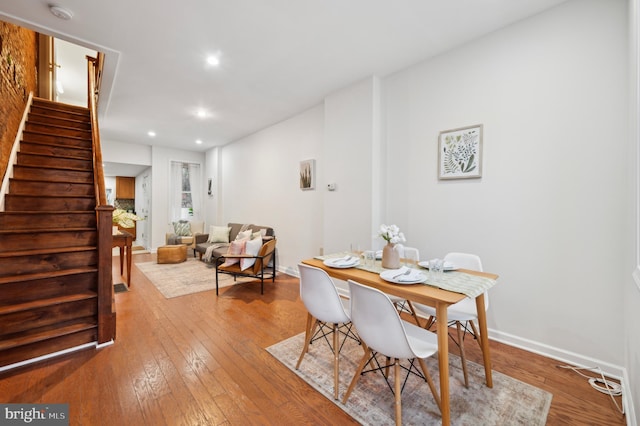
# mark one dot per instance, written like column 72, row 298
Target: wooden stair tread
column 74, row 249
column 37, row 133
column 81, row 119
column 48, row 274
column 26, row 306
column 54, row 145
column 51, row 196
column 45, row 333
column 42, row 230
column 62, row 182
column 39, row 213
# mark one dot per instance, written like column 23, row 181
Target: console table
column 124, row 241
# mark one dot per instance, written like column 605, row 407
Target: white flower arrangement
column 391, row 234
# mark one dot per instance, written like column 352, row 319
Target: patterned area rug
column 192, row 276
column 509, row 402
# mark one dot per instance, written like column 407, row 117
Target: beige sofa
column 184, row 232
column 222, row 246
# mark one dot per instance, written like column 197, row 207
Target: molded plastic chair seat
column 382, row 331
column 326, row 309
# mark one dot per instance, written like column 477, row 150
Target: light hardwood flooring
column 200, row 360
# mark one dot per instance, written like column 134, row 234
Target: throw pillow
column 244, row 235
column 251, row 248
column 236, row 247
column 218, row 234
column 182, row 228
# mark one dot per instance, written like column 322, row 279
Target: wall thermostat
column 331, row 187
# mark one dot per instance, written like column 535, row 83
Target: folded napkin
column 347, row 260
column 408, row 275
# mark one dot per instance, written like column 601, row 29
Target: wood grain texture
column 200, row 360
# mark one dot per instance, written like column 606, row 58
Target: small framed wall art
column 307, row 174
column 460, row 153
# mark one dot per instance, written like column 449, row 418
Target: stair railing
column 104, row 214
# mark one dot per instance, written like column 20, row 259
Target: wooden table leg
column 129, row 255
column 484, row 338
column 121, row 257
column 443, row 361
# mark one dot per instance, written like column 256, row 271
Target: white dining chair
column 383, row 332
column 461, row 314
column 328, row 313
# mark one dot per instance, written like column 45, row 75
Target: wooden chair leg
column 429, row 380
column 386, row 368
column 476, row 333
column 430, row 322
column 311, row 327
column 356, row 376
column 336, row 361
column 462, row 356
column 397, row 391
column 413, row 313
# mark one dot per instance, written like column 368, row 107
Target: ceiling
column 277, row 58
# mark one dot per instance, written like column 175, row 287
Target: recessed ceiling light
column 151, row 133
column 61, row 12
column 198, row 141
column 201, row 113
column 212, row 60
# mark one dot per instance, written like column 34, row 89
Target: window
column 185, row 182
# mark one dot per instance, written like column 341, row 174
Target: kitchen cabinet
column 125, row 187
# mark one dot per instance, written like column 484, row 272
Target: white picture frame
column 460, row 153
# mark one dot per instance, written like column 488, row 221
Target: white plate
column 414, row 278
column 339, row 263
column 448, row 266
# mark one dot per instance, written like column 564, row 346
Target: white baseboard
column 565, row 357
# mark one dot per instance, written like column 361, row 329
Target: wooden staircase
column 49, row 238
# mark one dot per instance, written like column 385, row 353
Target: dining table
column 430, row 295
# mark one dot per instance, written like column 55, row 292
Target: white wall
column 211, row 204
column 127, row 153
column 548, row 214
column 351, row 160
column 260, row 184
column 631, row 295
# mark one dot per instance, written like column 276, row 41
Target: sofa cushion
column 251, row 248
column 182, row 228
column 218, row 234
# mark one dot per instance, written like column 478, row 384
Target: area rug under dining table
column 191, row 276
column 509, row 402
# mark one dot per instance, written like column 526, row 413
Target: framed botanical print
column 460, row 153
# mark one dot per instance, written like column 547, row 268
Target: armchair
column 184, row 232
column 261, row 269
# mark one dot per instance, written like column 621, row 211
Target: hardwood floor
column 200, row 360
